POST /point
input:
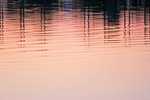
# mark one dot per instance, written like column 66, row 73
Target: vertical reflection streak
column 144, row 19
column 2, row 25
column 124, row 22
column 88, row 19
column 42, row 13
column 108, row 12
column 22, row 23
column 84, row 18
column 129, row 20
column 104, row 22
column 108, row 18
column 129, row 13
column 149, row 22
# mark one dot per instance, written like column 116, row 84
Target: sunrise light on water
column 74, row 49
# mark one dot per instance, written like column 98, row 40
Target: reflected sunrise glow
column 74, row 49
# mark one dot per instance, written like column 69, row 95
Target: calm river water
column 74, row 50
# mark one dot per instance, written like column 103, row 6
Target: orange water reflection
column 62, row 53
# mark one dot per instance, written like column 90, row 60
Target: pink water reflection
column 71, row 54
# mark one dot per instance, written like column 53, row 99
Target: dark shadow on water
column 111, row 10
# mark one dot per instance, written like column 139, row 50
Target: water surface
column 74, row 50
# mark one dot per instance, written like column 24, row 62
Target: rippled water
column 74, row 50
